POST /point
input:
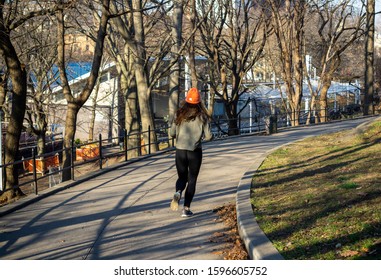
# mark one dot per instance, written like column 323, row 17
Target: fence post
column 239, row 124
column 34, row 172
column 149, row 139
column 139, row 136
column 125, row 145
column 2, row 186
column 73, row 149
column 259, row 122
column 168, row 139
column 100, row 152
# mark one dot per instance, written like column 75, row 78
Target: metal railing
column 262, row 122
column 33, row 180
column 36, row 173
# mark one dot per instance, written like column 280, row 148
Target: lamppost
column 2, row 81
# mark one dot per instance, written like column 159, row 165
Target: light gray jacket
column 189, row 134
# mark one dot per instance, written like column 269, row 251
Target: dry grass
column 321, row 198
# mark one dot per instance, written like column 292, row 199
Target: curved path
column 124, row 213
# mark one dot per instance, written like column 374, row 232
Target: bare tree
column 17, row 74
column 174, row 79
column 96, row 98
column 141, row 75
column 14, row 14
column 74, row 103
column 232, row 38
column 151, row 44
column 147, row 59
column 184, row 45
column 40, row 48
column 192, row 15
column 369, row 57
column 124, row 63
column 339, row 26
column 3, row 96
column 288, row 18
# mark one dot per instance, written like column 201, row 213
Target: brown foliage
column 234, row 248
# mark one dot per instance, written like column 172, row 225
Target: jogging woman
column 190, row 127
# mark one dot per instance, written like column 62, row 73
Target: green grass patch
column 321, row 198
column 348, row 185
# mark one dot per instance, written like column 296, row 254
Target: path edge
column 257, row 244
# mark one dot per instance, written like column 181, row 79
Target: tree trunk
column 174, row 79
column 324, row 101
column 74, row 104
column 174, row 93
column 369, row 58
column 231, row 110
column 3, row 86
column 41, row 147
column 38, row 122
column 211, row 101
column 192, row 59
column 93, row 111
column 298, row 59
column 70, row 127
column 336, row 32
column 130, row 96
column 288, row 28
column 292, row 104
column 131, row 116
column 92, row 121
column 144, row 99
column 144, row 92
column 18, row 77
column 232, row 104
column 41, row 142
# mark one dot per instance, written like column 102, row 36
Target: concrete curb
column 257, row 244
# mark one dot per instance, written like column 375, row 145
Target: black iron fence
column 271, row 122
column 37, row 173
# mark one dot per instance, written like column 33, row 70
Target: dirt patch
column 234, row 248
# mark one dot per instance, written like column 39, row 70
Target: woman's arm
column 172, row 130
column 207, row 133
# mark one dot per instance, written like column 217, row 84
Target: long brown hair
column 188, row 112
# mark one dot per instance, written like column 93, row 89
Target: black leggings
column 188, row 166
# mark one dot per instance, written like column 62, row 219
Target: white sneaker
column 175, row 201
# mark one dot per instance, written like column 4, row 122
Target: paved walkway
column 124, row 213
